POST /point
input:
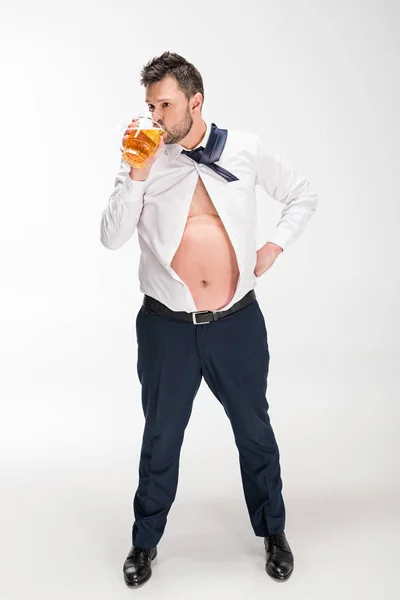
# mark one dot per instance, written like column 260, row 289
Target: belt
column 197, row 317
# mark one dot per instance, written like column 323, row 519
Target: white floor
column 65, row 532
column 66, row 491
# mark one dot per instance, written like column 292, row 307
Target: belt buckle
column 197, row 312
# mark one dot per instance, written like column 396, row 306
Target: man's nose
column 159, row 118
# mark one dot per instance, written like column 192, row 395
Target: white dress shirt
column 158, row 209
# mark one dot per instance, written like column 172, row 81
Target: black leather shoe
column 280, row 559
column 137, row 566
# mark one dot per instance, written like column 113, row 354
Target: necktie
column 212, row 152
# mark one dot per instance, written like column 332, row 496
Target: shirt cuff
column 281, row 237
column 130, row 188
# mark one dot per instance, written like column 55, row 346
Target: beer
column 139, row 145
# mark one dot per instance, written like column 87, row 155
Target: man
column 194, row 208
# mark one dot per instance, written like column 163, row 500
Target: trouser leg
column 170, row 374
column 235, row 361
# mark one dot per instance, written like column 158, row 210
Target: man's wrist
column 278, row 248
column 138, row 174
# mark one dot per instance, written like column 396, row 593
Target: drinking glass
column 140, row 139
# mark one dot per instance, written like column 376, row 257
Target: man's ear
column 197, row 102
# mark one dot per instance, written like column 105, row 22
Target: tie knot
column 212, row 153
column 195, row 154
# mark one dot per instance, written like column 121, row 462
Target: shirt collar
column 174, row 150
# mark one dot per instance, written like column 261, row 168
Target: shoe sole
column 143, row 581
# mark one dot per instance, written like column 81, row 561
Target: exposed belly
column 206, row 261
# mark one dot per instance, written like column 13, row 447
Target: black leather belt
column 197, row 317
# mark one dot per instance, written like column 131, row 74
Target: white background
column 320, row 82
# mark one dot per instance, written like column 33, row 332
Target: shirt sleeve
column 121, row 215
column 285, row 185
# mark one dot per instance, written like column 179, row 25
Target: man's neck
column 195, row 136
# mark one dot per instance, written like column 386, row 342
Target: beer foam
column 149, row 115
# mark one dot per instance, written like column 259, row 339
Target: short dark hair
column 171, row 64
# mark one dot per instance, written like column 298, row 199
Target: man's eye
column 166, row 103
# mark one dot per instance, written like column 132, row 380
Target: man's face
column 167, row 100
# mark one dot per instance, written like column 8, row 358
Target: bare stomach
column 206, row 261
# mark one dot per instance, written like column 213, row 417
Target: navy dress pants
column 233, row 357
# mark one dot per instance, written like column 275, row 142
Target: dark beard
column 179, row 132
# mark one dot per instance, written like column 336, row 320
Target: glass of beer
column 140, row 139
